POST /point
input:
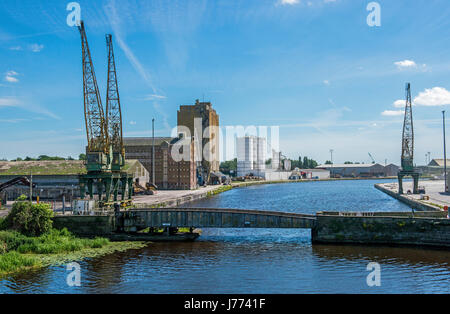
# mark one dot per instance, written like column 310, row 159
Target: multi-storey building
column 251, row 155
column 202, row 121
column 170, row 173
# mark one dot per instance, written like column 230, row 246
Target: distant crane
column 373, row 160
column 408, row 146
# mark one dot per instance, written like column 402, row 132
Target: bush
column 30, row 219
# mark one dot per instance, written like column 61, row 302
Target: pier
column 434, row 199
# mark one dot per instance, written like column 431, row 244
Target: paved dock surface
column 433, row 188
column 169, row 196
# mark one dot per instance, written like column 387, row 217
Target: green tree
column 82, row 157
column 328, row 162
column 228, row 166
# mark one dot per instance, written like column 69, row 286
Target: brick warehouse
column 169, row 174
column 208, row 129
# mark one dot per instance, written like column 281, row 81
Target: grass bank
column 21, row 253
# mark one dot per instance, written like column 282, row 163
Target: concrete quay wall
column 86, row 225
column 333, row 229
column 417, row 205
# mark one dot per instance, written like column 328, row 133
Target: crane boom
column 408, row 134
column 96, row 131
column 113, row 109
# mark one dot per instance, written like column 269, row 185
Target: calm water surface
column 259, row 261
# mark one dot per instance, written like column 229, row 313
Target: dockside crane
column 113, row 110
column 408, row 146
column 96, row 130
column 105, row 153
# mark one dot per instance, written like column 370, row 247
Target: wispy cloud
column 36, row 47
column 28, row 106
column 289, row 2
column 11, row 77
column 153, row 97
column 9, row 102
column 116, row 24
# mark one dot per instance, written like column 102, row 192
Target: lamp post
column 153, row 151
column 445, row 154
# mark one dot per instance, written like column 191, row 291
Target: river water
column 259, row 261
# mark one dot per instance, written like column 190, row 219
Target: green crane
column 104, row 152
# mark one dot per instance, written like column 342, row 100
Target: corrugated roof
column 145, row 141
column 348, row 166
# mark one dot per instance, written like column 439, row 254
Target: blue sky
column 314, row 68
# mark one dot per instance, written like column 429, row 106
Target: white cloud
column 36, row 47
column 16, row 48
column 289, row 2
column 11, row 77
column 326, row 82
column 436, row 96
column 401, row 103
column 405, row 64
column 9, row 102
column 132, row 122
column 392, row 113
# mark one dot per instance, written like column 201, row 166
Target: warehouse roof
column 63, row 167
column 145, row 141
column 438, row 163
column 347, row 166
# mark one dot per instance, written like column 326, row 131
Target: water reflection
column 258, row 261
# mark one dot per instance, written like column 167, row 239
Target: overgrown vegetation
column 52, row 242
column 19, row 252
column 13, row 262
column 27, row 240
column 29, row 219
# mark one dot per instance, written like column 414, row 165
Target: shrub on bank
column 30, row 219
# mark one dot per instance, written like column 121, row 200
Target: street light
column 445, row 154
column 153, row 151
